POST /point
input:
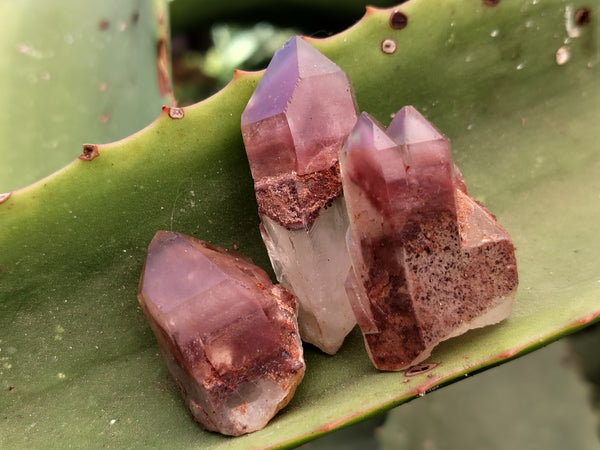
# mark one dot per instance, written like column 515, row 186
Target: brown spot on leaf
column 11, row 388
column 398, row 20
column 174, row 113
column 135, row 17
column 90, row 151
column 102, row 87
column 491, row 2
column 420, row 368
column 104, row 118
column 582, row 16
column 5, row 196
column 388, row 46
column 103, row 25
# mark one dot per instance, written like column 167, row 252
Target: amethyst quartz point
column 428, row 262
column 228, row 335
column 294, row 127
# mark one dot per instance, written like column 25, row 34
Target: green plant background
column 79, row 365
column 72, row 75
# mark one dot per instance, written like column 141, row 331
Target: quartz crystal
column 293, row 128
column 428, row 261
column 228, row 335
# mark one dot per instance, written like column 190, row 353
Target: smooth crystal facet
column 315, row 263
column 428, row 261
column 294, row 127
column 228, row 335
column 299, row 115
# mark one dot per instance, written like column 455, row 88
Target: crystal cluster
column 428, row 261
column 228, row 335
column 294, row 127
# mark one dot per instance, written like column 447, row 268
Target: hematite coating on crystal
column 228, row 335
column 428, row 262
column 293, row 128
column 296, row 200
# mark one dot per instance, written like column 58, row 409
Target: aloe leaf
column 79, row 362
column 72, row 73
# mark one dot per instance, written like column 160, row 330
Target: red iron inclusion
column 294, row 127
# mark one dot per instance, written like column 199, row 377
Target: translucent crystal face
column 299, row 114
column 314, row 264
column 182, row 278
column 165, row 283
column 295, row 61
column 374, row 164
column 228, row 335
column 426, row 154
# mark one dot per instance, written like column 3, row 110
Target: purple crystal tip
column 300, row 113
column 297, row 59
column 409, row 126
column 376, row 165
column 229, row 336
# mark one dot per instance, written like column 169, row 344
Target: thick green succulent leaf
column 73, row 72
column 79, row 363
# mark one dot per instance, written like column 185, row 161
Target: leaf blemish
column 398, row 20
column 90, row 151
column 388, row 46
column 420, row 368
column 582, row 16
column 174, row 113
column 491, row 2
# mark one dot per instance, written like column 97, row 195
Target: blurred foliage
column 585, row 348
column 213, row 38
column 199, row 73
column 316, row 17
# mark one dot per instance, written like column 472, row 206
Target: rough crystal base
column 313, row 264
column 228, row 335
